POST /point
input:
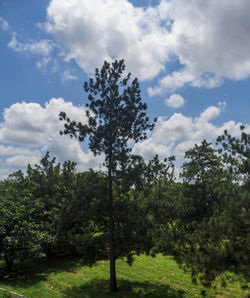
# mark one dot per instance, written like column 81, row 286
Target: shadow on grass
column 100, row 288
column 29, row 273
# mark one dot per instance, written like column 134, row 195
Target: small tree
column 116, row 116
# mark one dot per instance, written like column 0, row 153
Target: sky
column 191, row 57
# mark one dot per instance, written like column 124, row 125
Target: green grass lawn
column 147, row 277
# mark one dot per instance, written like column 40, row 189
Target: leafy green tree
column 116, row 116
column 44, row 183
column 236, row 154
column 51, row 184
column 19, row 233
column 86, row 233
column 82, row 220
column 236, row 157
column 203, row 175
column 209, row 234
column 151, row 181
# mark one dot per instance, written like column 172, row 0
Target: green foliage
column 4, row 294
column 133, row 206
column 51, row 184
column 208, row 231
column 82, row 221
column 115, row 116
column 236, row 154
column 19, row 233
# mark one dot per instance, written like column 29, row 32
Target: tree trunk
column 9, row 264
column 48, row 251
column 113, row 284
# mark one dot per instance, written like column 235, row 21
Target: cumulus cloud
column 178, row 79
column 148, row 37
column 179, row 133
column 21, row 161
column 93, row 31
column 213, row 29
column 29, row 129
column 23, row 119
column 12, row 150
column 175, row 101
column 14, row 158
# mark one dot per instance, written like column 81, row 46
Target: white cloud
column 93, row 31
column 179, row 133
column 148, row 149
column 4, row 173
column 175, row 101
column 191, row 31
column 14, row 158
column 12, row 150
column 23, row 119
column 70, row 149
column 210, row 113
column 43, row 62
column 68, row 76
column 35, row 129
column 43, row 47
column 178, row 79
column 171, row 82
column 209, row 39
column 4, row 24
column 172, row 130
column 202, row 29
column 21, row 161
column 29, row 130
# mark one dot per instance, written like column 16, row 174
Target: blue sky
column 192, row 59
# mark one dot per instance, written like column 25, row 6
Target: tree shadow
column 100, row 288
column 29, row 273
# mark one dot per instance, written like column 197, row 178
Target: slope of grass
column 147, row 277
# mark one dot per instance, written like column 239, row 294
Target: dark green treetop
column 211, row 234
column 116, row 113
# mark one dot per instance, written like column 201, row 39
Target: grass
column 147, row 277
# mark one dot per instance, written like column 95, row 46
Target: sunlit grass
column 147, row 277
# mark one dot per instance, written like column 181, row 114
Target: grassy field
column 147, row 277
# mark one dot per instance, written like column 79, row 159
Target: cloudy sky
column 192, row 58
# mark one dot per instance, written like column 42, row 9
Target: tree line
column 134, row 206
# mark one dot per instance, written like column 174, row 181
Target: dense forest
column 134, row 206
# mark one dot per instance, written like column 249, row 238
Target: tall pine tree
column 116, row 116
